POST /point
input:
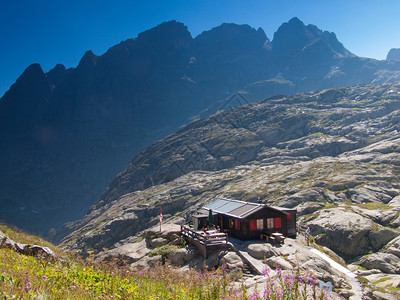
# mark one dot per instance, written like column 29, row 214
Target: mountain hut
column 246, row 220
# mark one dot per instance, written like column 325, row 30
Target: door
column 245, row 231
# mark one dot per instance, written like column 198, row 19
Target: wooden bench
column 267, row 237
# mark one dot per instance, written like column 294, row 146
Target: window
column 260, row 224
column 256, row 224
column 289, row 217
column 231, row 224
column 278, row 223
column 270, row 223
column 237, row 225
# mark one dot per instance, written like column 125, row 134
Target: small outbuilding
column 246, row 220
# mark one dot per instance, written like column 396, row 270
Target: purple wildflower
column 28, row 286
column 44, row 277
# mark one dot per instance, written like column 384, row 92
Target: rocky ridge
column 70, row 131
column 333, row 155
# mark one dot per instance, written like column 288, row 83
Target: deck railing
column 208, row 238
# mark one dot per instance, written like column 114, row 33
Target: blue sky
column 51, row 32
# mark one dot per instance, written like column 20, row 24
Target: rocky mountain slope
column 66, row 133
column 333, row 155
column 394, row 54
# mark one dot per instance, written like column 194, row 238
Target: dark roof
column 234, row 208
column 239, row 209
column 203, row 213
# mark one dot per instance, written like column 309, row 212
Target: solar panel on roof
column 227, row 207
column 215, row 205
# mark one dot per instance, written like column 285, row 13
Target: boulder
column 36, row 250
column 128, row 253
column 395, row 201
column 213, row 259
column 394, row 247
column 388, row 217
column 383, row 296
column 317, row 264
column 279, row 262
column 33, row 250
column 20, row 247
column 385, row 262
column 170, row 231
column 232, row 261
column 384, row 281
column 348, row 232
column 176, row 242
column 367, row 272
column 166, row 231
column 181, row 256
column 344, row 293
column 261, row 251
column 395, row 223
column 380, row 237
column 368, row 194
column 309, row 207
column 147, row 262
column 8, row 243
column 158, row 242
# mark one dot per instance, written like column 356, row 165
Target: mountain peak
column 294, row 37
column 88, row 60
column 394, row 54
column 33, row 70
column 295, row 21
column 167, row 33
column 232, row 32
column 230, row 38
column 30, row 79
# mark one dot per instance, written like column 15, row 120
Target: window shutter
column 253, row 225
column 278, row 223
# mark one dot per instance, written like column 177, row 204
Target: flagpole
column 161, row 216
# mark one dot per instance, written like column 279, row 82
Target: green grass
column 68, row 276
column 373, row 205
column 26, row 277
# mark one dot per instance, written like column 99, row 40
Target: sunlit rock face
column 68, row 132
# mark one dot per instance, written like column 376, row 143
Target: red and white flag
column 161, row 216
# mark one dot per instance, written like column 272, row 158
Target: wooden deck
column 208, row 238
